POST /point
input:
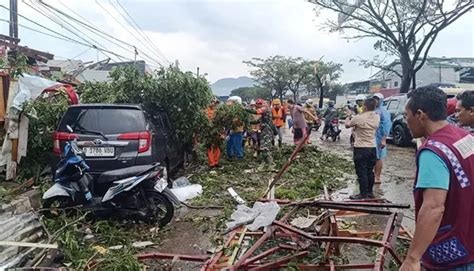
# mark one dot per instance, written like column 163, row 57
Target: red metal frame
column 302, row 240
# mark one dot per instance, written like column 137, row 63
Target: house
column 100, row 71
column 457, row 71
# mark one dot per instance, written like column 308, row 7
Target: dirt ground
column 185, row 237
column 398, row 173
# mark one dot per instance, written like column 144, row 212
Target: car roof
column 107, row 106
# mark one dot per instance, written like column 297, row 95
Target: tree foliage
column 251, row 93
column 182, row 95
column 314, row 83
column 405, row 29
column 225, row 118
column 44, row 114
column 282, row 74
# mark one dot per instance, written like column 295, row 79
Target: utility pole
column 14, row 19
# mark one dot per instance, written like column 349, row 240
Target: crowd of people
column 443, row 187
column 268, row 122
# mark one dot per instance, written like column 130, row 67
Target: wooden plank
column 14, row 149
column 28, row 244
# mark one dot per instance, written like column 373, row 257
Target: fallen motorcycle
column 137, row 193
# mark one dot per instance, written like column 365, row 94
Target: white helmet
column 360, row 97
column 235, row 99
column 309, row 101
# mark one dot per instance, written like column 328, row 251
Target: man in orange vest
column 214, row 151
column 278, row 116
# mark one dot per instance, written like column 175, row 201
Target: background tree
column 251, row 93
column 403, row 28
column 334, row 91
column 281, row 74
column 271, row 73
column 312, row 84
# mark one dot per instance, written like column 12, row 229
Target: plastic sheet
column 260, row 215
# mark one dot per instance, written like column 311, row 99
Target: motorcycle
column 334, row 131
column 138, row 192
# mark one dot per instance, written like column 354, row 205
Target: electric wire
column 126, row 15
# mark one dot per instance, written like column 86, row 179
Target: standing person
column 279, row 118
column 309, row 111
column 236, row 133
column 381, row 135
column 266, row 138
column 214, row 150
column 465, row 110
column 444, row 202
column 365, row 125
column 255, row 129
column 329, row 115
column 359, row 106
column 299, row 122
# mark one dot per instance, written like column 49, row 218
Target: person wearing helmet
column 381, row 135
column 309, row 110
column 329, row 115
column 359, row 106
column 278, row 117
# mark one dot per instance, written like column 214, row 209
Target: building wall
column 426, row 75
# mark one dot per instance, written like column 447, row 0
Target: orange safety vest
column 211, row 112
column 278, row 117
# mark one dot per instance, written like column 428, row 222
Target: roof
column 139, row 64
column 94, row 75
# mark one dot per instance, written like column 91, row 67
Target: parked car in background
column 116, row 136
column 399, row 133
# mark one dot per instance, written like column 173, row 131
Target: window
column 395, row 84
column 108, row 121
column 393, row 105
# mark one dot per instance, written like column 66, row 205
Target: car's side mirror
column 69, row 128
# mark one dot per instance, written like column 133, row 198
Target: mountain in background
column 224, row 86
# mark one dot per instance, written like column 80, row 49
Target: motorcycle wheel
column 161, row 209
column 53, row 206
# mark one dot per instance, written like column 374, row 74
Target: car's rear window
column 106, row 120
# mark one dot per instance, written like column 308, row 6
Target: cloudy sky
column 216, row 35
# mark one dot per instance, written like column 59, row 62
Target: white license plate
column 99, row 151
column 160, row 185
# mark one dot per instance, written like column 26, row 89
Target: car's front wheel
column 399, row 136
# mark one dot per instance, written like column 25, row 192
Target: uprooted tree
column 182, row 95
column 403, row 28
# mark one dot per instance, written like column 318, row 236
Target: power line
column 61, row 36
column 138, row 29
column 128, row 30
column 54, row 19
column 93, row 28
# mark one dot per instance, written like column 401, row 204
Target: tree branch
column 436, row 29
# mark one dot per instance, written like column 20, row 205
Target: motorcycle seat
column 118, row 174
